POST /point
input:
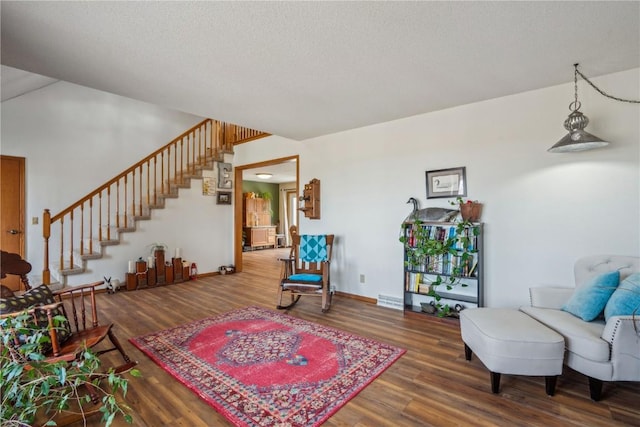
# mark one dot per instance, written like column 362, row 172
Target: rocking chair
column 306, row 271
column 80, row 330
column 13, row 264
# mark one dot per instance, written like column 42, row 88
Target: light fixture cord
column 575, row 79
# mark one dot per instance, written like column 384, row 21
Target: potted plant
column 470, row 210
column 446, row 261
column 34, row 389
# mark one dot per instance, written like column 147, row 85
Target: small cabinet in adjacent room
column 256, row 222
column 260, row 236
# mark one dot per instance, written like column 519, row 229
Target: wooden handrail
column 137, row 185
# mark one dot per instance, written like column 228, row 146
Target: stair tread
column 70, row 271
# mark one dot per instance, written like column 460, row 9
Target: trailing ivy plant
column 420, row 248
column 35, row 388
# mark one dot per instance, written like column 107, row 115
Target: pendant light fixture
column 578, row 139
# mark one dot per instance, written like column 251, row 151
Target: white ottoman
column 508, row 341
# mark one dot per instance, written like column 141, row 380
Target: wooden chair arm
column 77, row 288
column 288, row 266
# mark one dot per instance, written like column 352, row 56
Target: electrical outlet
column 362, row 278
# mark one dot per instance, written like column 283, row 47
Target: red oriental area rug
column 258, row 367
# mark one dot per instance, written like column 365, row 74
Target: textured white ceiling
column 303, row 69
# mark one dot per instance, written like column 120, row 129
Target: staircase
column 82, row 231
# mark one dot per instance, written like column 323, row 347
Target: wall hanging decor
column 224, row 198
column 208, row 186
column 450, row 182
column 224, row 175
column 311, row 199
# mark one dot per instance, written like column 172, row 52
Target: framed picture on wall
column 446, row 183
column 208, row 186
column 224, row 198
column 224, row 175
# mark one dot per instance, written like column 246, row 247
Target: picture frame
column 208, row 186
column 223, row 198
column 224, row 175
column 450, row 182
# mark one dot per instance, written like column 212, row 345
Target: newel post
column 46, row 233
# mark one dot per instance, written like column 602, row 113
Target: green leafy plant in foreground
column 35, row 388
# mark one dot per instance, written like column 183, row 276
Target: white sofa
column 602, row 351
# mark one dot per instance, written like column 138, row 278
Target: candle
column 150, row 262
column 131, row 267
column 178, row 253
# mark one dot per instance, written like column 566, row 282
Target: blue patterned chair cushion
column 313, row 248
column 305, row 277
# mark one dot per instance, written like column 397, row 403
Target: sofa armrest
column 550, row 296
column 623, row 333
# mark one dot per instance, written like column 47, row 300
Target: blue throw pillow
column 626, row 299
column 588, row 301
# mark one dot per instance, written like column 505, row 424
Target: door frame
column 237, row 199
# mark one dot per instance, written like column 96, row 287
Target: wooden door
column 12, row 221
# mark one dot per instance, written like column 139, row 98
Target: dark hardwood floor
column 431, row 385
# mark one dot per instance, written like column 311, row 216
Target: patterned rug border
column 255, row 313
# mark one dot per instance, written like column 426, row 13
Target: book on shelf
column 424, row 288
column 414, row 279
column 472, row 271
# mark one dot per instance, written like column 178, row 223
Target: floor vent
column 390, row 302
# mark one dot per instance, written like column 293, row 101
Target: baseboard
column 357, row 297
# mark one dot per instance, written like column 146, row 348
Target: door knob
column 13, row 231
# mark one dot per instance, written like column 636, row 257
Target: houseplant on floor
column 34, row 389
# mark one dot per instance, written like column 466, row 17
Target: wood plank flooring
column 431, row 385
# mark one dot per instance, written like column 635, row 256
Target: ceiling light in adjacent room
column 264, row 175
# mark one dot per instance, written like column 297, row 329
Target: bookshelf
column 442, row 266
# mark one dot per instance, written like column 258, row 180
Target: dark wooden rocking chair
column 307, row 270
column 77, row 304
column 13, row 264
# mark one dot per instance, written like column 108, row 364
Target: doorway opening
column 283, row 172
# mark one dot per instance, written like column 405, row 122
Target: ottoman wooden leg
column 467, row 352
column 550, row 385
column 495, row 382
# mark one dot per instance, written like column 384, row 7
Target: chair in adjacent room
column 307, row 270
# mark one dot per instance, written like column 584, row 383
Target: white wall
column 541, row 210
column 74, row 139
